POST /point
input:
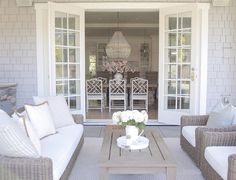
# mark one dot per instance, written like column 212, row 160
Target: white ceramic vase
column 132, row 133
column 118, row 76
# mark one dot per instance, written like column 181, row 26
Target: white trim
column 198, row 58
column 204, row 61
column 121, row 25
column 42, row 46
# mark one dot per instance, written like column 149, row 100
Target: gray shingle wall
column 18, row 50
column 222, row 54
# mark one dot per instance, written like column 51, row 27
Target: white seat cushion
column 217, row 157
column 61, row 146
column 189, row 133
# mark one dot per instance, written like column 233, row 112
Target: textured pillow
column 41, row 119
column 221, row 118
column 60, row 111
column 27, row 127
column 13, row 141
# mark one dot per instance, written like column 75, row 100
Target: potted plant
column 133, row 121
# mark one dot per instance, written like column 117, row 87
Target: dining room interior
column 122, row 58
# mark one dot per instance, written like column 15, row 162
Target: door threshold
column 104, row 122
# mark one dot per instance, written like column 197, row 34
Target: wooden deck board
column 156, row 158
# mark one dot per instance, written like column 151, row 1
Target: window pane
column 172, row 39
column 74, row 55
column 74, row 71
column 171, row 55
column 61, row 37
column 75, row 102
column 185, row 103
column 172, row 22
column 171, row 87
column 184, row 55
column 74, row 38
column 74, row 22
column 185, row 88
column 74, row 87
column 171, row 71
column 61, row 87
column 184, row 39
column 61, row 55
column 171, row 102
column 60, row 20
column 61, row 71
column 186, row 72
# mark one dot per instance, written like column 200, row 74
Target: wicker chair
column 218, row 139
column 196, row 153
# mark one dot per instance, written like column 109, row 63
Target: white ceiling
column 130, row 23
column 124, row 17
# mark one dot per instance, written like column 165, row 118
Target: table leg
column 103, row 174
column 171, row 173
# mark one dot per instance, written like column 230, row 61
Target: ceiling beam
column 121, row 25
column 221, row 2
column 23, row 3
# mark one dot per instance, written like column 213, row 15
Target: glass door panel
column 67, row 45
column 178, row 47
column 177, row 61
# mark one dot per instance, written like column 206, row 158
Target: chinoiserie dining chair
column 139, row 91
column 94, row 90
column 117, row 92
column 105, row 87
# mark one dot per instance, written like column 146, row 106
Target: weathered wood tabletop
column 152, row 160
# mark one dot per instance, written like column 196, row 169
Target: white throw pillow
column 27, row 127
column 59, row 108
column 13, row 141
column 221, row 118
column 41, row 118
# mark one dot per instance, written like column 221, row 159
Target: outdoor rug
column 86, row 166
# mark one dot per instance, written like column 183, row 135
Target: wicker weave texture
column 218, row 139
column 36, row 168
column 186, row 146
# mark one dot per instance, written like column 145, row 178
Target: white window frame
column 42, row 41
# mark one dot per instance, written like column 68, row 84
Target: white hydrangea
column 124, row 116
column 116, row 117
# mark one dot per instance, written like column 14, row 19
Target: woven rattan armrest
column 200, row 131
column 214, row 139
column 200, row 120
column 25, row 168
column 232, row 167
column 78, row 118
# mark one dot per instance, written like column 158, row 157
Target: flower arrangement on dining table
column 118, row 66
column 130, row 118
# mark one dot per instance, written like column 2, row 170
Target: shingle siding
column 18, row 50
column 222, row 54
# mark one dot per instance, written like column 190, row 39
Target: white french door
column 177, row 69
column 67, row 49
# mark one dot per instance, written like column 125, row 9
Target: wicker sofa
column 43, row 168
column 196, row 152
column 219, row 149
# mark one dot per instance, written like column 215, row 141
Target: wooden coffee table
column 152, row 160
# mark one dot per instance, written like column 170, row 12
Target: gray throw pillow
column 221, row 118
